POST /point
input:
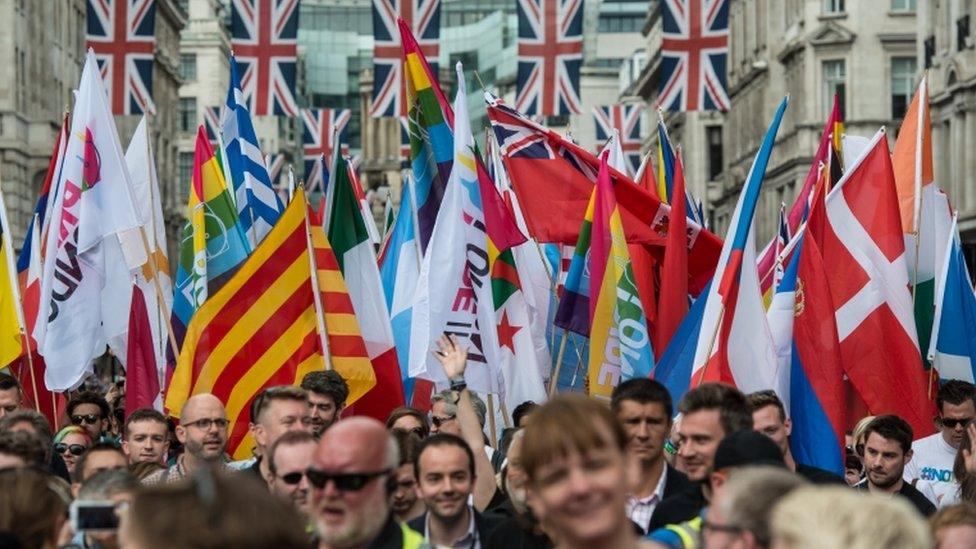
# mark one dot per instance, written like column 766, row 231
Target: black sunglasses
column 90, row 419
column 438, row 421
column 294, row 478
column 344, row 482
column 75, row 449
column 953, row 423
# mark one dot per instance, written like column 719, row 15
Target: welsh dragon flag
column 353, row 247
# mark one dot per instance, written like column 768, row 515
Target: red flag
column 868, row 280
column 645, row 176
column 673, row 301
column 141, row 376
column 36, row 396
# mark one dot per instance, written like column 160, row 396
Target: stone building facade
column 947, row 50
column 36, row 90
column 809, row 49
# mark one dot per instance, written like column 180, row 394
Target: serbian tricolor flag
column 802, row 310
column 618, row 327
column 734, row 343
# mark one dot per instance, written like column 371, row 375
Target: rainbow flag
column 619, row 339
column 213, row 244
column 261, row 329
column 573, row 313
column 430, row 121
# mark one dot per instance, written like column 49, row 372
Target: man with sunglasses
column 90, row 410
column 274, row 412
column 288, row 459
column 202, row 432
column 930, row 469
column 351, row 478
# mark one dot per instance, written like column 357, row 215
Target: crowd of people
column 716, row 472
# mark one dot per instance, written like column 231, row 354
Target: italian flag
column 353, row 246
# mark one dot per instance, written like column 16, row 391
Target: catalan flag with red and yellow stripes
column 260, row 328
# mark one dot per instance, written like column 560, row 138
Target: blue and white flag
column 953, row 345
column 258, row 205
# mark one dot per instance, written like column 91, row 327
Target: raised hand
column 452, row 356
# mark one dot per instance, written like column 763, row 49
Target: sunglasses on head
column 438, row 421
column 953, row 423
column 90, row 419
column 75, row 449
column 344, row 482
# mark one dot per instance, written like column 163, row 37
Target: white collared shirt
column 640, row 510
column 469, row 541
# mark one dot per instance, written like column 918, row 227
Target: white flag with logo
column 81, row 305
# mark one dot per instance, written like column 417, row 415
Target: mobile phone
column 94, row 516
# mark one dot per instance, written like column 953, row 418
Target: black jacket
column 483, row 524
column 817, row 475
column 676, row 485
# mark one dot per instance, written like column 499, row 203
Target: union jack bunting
column 264, row 38
column 123, row 35
column 211, row 123
column 694, row 53
column 550, row 53
column 626, row 119
column 323, row 128
column 424, row 19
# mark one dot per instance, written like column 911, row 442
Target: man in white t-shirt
column 934, row 456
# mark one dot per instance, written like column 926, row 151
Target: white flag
column 454, row 291
column 81, row 305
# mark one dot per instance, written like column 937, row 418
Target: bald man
column 350, row 480
column 203, row 433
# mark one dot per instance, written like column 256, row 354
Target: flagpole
column 554, row 380
column 153, row 187
column 15, row 290
column 711, row 345
column 319, row 310
column 491, row 420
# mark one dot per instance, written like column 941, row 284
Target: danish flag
column 424, row 19
column 264, row 38
column 550, row 53
column 324, row 129
column 626, row 119
column 123, row 35
column 694, row 53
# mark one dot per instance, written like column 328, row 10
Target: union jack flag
column 550, row 53
column 123, row 35
column 275, row 163
column 424, row 19
column 626, row 119
column 264, row 38
column 211, row 123
column 323, row 129
column 694, row 53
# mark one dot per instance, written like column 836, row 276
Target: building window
column 833, row 6
column 903, row 5
column 188, row 114
column 834, row 79
column 962, row 32
column 188, row 67
column 902, row 84
column 185, row 172
column 620, row 23
column 929, row 47
column 714, row 136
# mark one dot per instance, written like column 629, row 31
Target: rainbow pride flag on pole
column 619, row 340
column 430, row 120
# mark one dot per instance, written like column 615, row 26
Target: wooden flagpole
column 319, row 309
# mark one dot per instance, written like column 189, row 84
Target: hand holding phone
column 94, row 516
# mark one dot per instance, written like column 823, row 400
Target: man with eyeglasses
column 288, row 459
column 327, row 394
column 930, row 469
column 351, row 478
column 90, row 410
column 274, row 412
column 202, row 432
